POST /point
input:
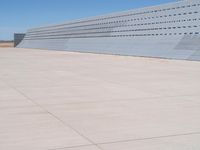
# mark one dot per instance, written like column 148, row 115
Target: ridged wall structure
column 167, row 31
column 18, row 37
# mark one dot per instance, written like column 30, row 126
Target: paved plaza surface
column 57, row 100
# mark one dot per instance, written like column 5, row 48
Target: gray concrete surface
column 57, row 100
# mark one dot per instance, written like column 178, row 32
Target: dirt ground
column 6, row 44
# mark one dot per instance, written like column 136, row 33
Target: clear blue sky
column 20, row 15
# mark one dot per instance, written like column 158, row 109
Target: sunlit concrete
column 54, row 100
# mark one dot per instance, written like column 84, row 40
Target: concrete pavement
column 56, row 100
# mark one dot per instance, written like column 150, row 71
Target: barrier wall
column 167, row 31
column 18, row 37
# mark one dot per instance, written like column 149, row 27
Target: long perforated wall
column 168, row 31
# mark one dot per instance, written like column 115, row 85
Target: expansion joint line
column 57, row 118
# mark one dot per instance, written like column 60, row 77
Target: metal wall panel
column 18, row 37
column 168, row 31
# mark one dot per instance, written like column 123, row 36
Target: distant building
column 18, row 37
column 168, row 31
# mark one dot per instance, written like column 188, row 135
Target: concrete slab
column 33, row 128
column 131, row 119
column 82, row 148
column 52, row 100
column 183, row 142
